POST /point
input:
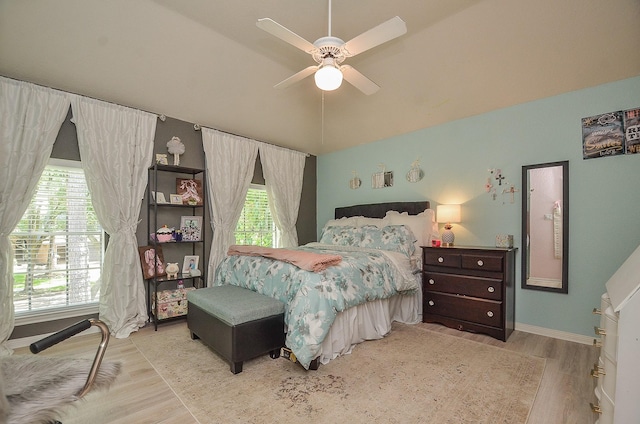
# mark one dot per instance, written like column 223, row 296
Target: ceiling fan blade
column 274, row 28
column 358, row 80
column 394, row 27
column 296, row 77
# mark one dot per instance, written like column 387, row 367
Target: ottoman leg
column 236, row 367
column 274, row 353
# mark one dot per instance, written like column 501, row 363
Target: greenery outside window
column 255, row 226
column 58, row 245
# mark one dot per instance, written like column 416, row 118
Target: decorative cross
column 499, row 176
column 511, row 190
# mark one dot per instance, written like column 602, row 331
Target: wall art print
column 611, row 134
column 190, row 190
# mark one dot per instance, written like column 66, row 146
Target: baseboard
column 26, row 341
column 556, row 334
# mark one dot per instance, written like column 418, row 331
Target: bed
column 377, row 282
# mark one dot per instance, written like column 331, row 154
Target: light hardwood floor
column 144, row 397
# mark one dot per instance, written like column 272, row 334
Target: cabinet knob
column 440, row 259
column 490, row 289
column 431, row 281
column 599, row 331
column 480, row 263
column 490, row 314
column 431, row 303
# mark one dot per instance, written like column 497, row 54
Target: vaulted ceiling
column 206, row 62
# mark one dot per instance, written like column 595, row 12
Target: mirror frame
column 565, row 226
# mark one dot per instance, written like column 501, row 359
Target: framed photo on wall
column 152, row 261
column 191, row 227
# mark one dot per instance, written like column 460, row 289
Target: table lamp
column 447, row 214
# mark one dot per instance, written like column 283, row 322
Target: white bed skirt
column 369, row 321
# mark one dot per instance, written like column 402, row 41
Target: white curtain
column 116, row 148
column 30, row 118
column 230, row 164
column 283, row 172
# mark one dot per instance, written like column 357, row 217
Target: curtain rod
column 197, row 127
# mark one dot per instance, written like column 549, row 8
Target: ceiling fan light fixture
column 328, row 77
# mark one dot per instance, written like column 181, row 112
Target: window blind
column 256, row 226
column 58, row 245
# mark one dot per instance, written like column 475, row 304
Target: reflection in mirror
column 545, row 226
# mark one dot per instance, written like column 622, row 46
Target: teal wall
column 604, row 211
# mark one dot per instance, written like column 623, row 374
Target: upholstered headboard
column 379, row 210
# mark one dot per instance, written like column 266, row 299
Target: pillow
column 394, row 238
column 361, row 221
column 342, row 235
column 423, row 226
column 344, row 221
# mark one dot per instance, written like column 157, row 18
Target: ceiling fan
column 329, row 52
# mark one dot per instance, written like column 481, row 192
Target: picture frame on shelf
column 152, row 262
column 175, row 199
column 191, row 227
column 190, row 263
column 162, row 159
column 190, row 190
column 158, row 197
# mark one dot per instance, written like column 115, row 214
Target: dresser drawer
column 486, row 288
column 486, row 263
column 440, row 258
column 486, row 312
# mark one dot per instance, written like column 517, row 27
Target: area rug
column 413, row 375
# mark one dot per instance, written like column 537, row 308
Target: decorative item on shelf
column 175, row 199
column 191, row 228
column 190, row 190
column 164, row 234
column 158, row 197
column 447, row 214
column 178, row 235
column 415, row 174
column 504, row 240
column 161, row 159
column 383, row 178
column 172, row 270
column 354, row 182
column 190, row 265
column 152, row 261
column 176, row 148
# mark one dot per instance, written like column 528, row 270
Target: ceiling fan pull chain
column 329, row 31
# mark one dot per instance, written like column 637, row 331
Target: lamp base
column 447, row 238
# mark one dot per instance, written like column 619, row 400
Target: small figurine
column 172, row 270
column 176, row 148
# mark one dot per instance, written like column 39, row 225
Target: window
column 58, row 245
column 256, row 226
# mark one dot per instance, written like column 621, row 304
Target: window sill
column 26, row 318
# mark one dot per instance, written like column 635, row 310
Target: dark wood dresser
column 470, row 288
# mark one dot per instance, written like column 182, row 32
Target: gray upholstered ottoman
column 237, row 323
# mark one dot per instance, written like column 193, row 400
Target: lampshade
column 448, row 213
column 328, row 77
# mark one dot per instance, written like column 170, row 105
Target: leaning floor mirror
column 545, row 227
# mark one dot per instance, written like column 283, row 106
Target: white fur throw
column 35, row 390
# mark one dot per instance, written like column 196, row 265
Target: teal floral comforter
column 314, row 299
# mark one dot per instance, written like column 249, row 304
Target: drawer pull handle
column 440, row 259
column 595, row 408
column 597, row 371
column 480, row 263
column 490, row 289
column 431, row 281
column 490, row 314
column 600, row 331
column 597, row 343
column 431, row 303
column 596, row 311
